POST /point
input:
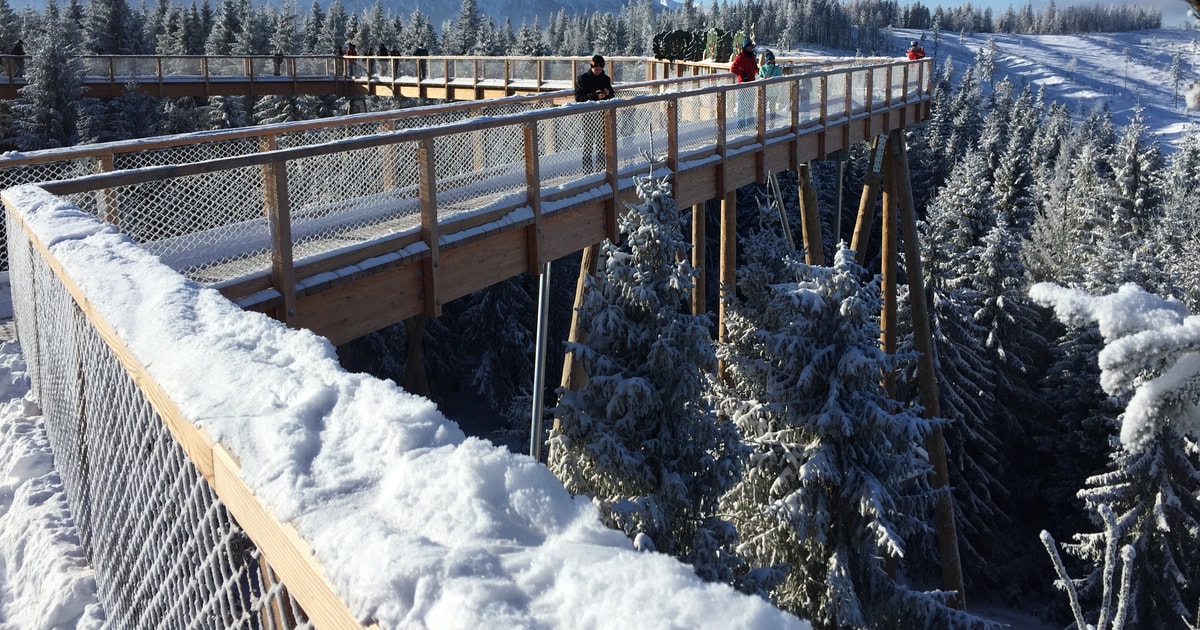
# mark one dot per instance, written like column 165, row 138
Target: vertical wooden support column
column 673, row 143
column 429, row 227
column 106, row 198
column 888, row 245
column 810, row 216
column 952, row 577
column 699, row 296
column 610, row 169
column 573, row 375
column 866, row 204
column 275, row 191
column 416, row 380
column 533, row 194
column 728, row 267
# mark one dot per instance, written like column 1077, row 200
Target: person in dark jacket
column 593, row 85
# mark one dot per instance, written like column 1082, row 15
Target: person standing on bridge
column 915, row 51
column 593, row 85
column 745, row 66
column 351, row 51
column 18, row 53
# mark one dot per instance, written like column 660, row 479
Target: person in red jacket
column 915, row 51
column 744, row 65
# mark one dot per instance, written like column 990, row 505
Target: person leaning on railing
column 593, row 85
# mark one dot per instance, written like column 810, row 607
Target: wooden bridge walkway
column 347, row 225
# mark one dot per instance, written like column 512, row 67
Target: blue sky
column 1174, row 11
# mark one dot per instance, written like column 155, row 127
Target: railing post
column 673, row 143
column 533, row 194
column 870, row 102
column 426, row 154
column 106, row 198
column 389, row 158
column 760, row 111
column 275, row 191
column 158, row 67
column 610, row 169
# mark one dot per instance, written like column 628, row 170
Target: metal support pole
column 539, row 363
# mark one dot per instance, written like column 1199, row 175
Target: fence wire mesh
column 214, row 227
column 165, row 550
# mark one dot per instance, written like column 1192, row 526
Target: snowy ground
column 44, row 580
column 1089, row 72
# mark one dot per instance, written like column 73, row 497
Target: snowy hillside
column 1089, row 72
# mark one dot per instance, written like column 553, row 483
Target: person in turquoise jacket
column 769, row 69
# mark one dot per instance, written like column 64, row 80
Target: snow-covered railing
column 219, row 464
column 269, row 220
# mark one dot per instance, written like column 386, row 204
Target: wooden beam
column 866, row 203
column 277, row 201
column 699, row 297
column 728, row 268
column 610, row 174
column 952, row 577
column 574, row 377
column 888, row 271
column 429, row 228
column 533, row 195
column 810, row 218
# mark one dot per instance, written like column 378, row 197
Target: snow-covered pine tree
column 638, row 437
column 835, row 478
column 1150, row 363
column 47, row 112
column 1176, row 231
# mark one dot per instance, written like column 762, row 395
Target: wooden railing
column 535, row 189
column 440, row 76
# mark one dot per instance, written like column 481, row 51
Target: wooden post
column 699, row 296
column 573, row 375
column 107, row 197
column 533, row 194
column 888, row 270
column 416, row 381
column 610, row 170
column 429, row 227
column 866, row 204
column 810, row 218
column 952, row 577
column 728, row 267
column 275, row 191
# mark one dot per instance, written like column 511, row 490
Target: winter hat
column 746, row 43
column 769, row 57
column 913, row 43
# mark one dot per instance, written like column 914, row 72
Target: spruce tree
column 638, row 438
column 1149, row 363
column 47, row 112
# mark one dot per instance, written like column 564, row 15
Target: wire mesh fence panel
column 858, row 91
column 836, row 86
column 641, row 135
column 185, row 154
column 697, row 122
column 219, row 67
column 182, row 66
column 135, row 67
column 880, row 88
column 94, row 67
column 165, row 550
column 741, row 112
column 808, row 101
column 479, row 170
column 194, row 223
column 560, row 70
column 778, row 105
column 378, row 196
